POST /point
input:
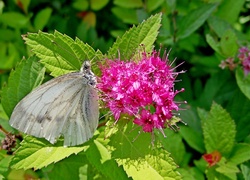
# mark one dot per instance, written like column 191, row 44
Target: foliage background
column 199, row 33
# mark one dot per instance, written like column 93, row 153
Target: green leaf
column 59, row 53
column 219, row 131
column 81, row 5
column 228, row 169
column 133, row 151
column 14, row 19
column 237, row 106
column 38, row 153
column 153, row 4
column 28, row 75
column 126, row 15
column 4, row 165
column 156, row 165
column 193, row 138
column 173, row 144
column 67, row 168
column 240, row 153
column 129, row 3
column 245, row 168
column 229, row 10
column 243, row 82
column 42, row 18
column 218, row 25
column 228, row 43
column 100, row 157
column 213, row 43
column 125, row 143
column 194, row 20
column 145, row 34
column 98, row 4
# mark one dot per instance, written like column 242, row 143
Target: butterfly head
column 88, row 74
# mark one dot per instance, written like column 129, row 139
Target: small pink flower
column 244, row 56
column 143, row 89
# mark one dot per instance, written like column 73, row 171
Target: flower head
column 143, row 89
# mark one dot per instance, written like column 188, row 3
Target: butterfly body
column 66, row 105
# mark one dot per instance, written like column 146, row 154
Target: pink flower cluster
column 244, row 56
column 143, row 89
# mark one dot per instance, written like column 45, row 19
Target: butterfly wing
column 66, row 105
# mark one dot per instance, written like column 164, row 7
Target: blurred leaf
column 42, row 17
column 9, row 55
column 14, row 19
column 98, row 4
column 191, row 173
column 219, row 131
column 228, row 44
column 1, row 7
column 229, row 10
column 24, row 4
column 245, row 168
column 153, row 4
column 59, row 53
column 81, row 5
column 126, row 15
column 129, row 3
column 28, row 75
column 4, row 165
column 194, row 20
column 213, row 43
column 90, row 19
column 243, row 82
column 237, row 106
column 35, row 153
column 99, row 156
column 218, row 25
column 193, row 138
column 145, row 33
column 240, row 153
column 7, row 35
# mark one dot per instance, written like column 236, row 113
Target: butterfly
column 66, row 105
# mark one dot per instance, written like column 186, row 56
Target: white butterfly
column 66, row 105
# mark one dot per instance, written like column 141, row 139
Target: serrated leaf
column 219, row 130
column 59, row 53
column 27, row 75
column 99, row 156
column 156, row 165
column 68, row 168
column 145, row 34
column 37, row 153
column 133, row 151
column 173, row 143
column 243, row 82
column 127, row 142
column 240, row 153
column 194, row 20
